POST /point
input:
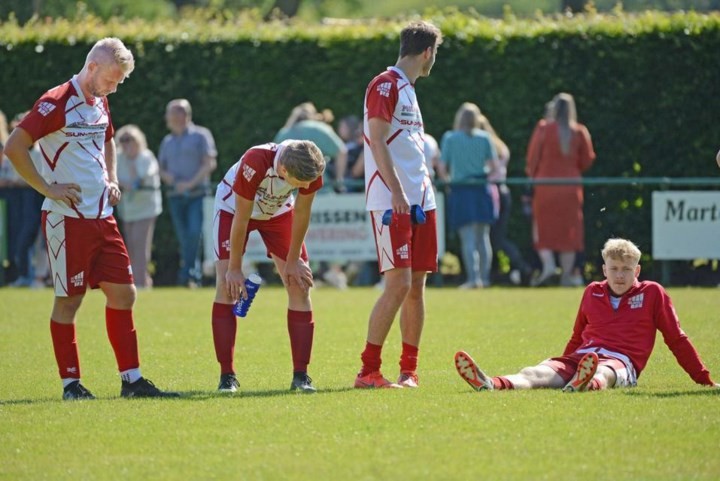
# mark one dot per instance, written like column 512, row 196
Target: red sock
column 123, row 338
column 501, row 382
column 224, row 328
column 66, row 350
column 371, row 359
column 301, row 328
column 408, row 358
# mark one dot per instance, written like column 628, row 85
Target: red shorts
column 275, row 233
column 566, row 366
column 84, row 252
column 403, row 244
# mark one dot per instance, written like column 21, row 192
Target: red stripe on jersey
column 102, row 202
column 392, row 137
column 93, row 155
column 376, row 175
column 230, row 193
column 72, row 205
column 367, row 141
column 73, row 107
column 53, row 163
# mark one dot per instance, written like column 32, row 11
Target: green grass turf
column 667, row 428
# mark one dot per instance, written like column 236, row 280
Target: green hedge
column 645, row 85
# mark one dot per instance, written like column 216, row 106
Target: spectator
column 362, row 273
column 257, row 194
column 350, row 131
column 10, row 196
column 559, row 148
column 139, row 178
column 469, row 154
column 306, row 123
column 71, row 122
column 613, row 336
column 436, row 168
column 187, row 158
column 520, row 271
column 396, row 178
column 4, row 134
column 27, row 207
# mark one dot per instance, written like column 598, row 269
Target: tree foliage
column 645, row 85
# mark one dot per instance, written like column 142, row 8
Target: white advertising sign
column 686, row 225
column 340, row 230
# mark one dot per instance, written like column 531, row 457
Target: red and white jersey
column 71, row 131
column 630, row 330
column 255, row 177
column 391, row 97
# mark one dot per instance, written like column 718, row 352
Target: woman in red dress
column 559, row 148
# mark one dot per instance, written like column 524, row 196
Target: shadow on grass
column 20, row 402
column 674, row 394
column 201, row 395
column 185, row 396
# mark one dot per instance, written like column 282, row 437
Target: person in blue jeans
column 187, row 157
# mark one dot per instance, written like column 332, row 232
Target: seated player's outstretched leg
column 471, row 373
column 587, row 367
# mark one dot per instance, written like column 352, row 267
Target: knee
column 67, row 307
column 123, row 298
column 528, row 373
column 398, row 290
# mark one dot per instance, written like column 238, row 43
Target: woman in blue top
column 470, row 156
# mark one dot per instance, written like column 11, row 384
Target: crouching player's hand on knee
column 299, row 274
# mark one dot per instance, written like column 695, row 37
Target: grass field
column 665, row 429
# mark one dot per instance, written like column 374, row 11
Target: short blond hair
column 620, row 249
column 112, row 50
column 303, row 160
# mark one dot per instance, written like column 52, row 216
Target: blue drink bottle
column 252, row 284
column 417, row 215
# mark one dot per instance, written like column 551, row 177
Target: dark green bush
column 645, row 85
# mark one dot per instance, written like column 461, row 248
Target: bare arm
column 234, row 277
column 17, row 150
column 358, row 168
column 114, row 193
column 379, row 131
column 296, row 270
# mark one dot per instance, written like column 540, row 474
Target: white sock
column 68, row 380
column 131, row 375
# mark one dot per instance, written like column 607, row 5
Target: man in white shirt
column 397, row 178
column 72, row 124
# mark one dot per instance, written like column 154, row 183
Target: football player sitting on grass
column 613, row 336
